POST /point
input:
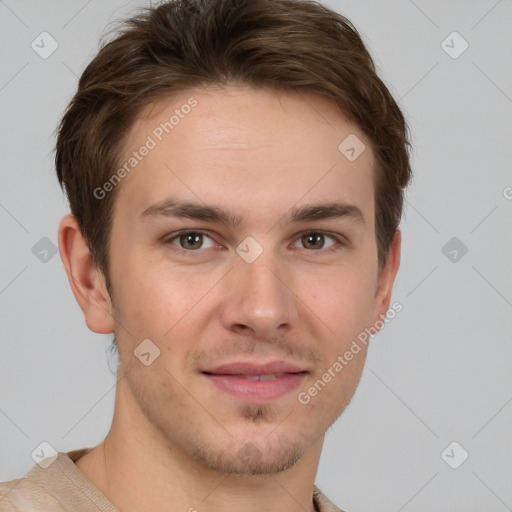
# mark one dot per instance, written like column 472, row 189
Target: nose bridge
column 259, row 297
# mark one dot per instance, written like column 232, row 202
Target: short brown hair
column 296, row 45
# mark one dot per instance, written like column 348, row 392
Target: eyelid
column 339, row 239
column 168, row 239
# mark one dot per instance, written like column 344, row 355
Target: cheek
column 344, row 300
column 139, row 299
column 160, row 303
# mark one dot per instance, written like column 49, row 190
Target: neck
column 138, row 469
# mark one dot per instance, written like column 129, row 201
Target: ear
column 386, row 279
column 86, row 280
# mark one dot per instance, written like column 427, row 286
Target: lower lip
column 257, row 391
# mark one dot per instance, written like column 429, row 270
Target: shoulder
column 23, row 495
column 55, row 486
column 7, row 491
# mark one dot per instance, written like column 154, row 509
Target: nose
column 259, row 300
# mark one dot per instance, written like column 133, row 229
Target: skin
column 177, row 440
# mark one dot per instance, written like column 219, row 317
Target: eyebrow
column 212, row 213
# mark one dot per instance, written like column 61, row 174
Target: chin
column 250, row 459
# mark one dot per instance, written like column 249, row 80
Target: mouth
column 256, row 383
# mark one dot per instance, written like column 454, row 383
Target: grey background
column 439, row 372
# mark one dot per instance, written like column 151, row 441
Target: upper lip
column 247, row 368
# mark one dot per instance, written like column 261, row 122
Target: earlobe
column 387, row 278
column 86, row 280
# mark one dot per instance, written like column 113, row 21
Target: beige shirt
column 61, row 487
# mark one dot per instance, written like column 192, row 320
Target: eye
column 315, row 240
column 190, row 241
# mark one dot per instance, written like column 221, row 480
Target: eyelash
column 340, row 241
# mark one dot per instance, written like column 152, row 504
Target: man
column 235, row 171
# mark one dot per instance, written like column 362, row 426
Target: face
column 220, row 257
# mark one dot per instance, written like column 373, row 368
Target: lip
column 232, row 379
column 248, row 368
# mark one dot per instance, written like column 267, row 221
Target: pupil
column 192, row 239
column 313, row 238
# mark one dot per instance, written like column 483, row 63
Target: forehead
column 245, row 147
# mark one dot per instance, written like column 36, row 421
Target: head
column 229, row 118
